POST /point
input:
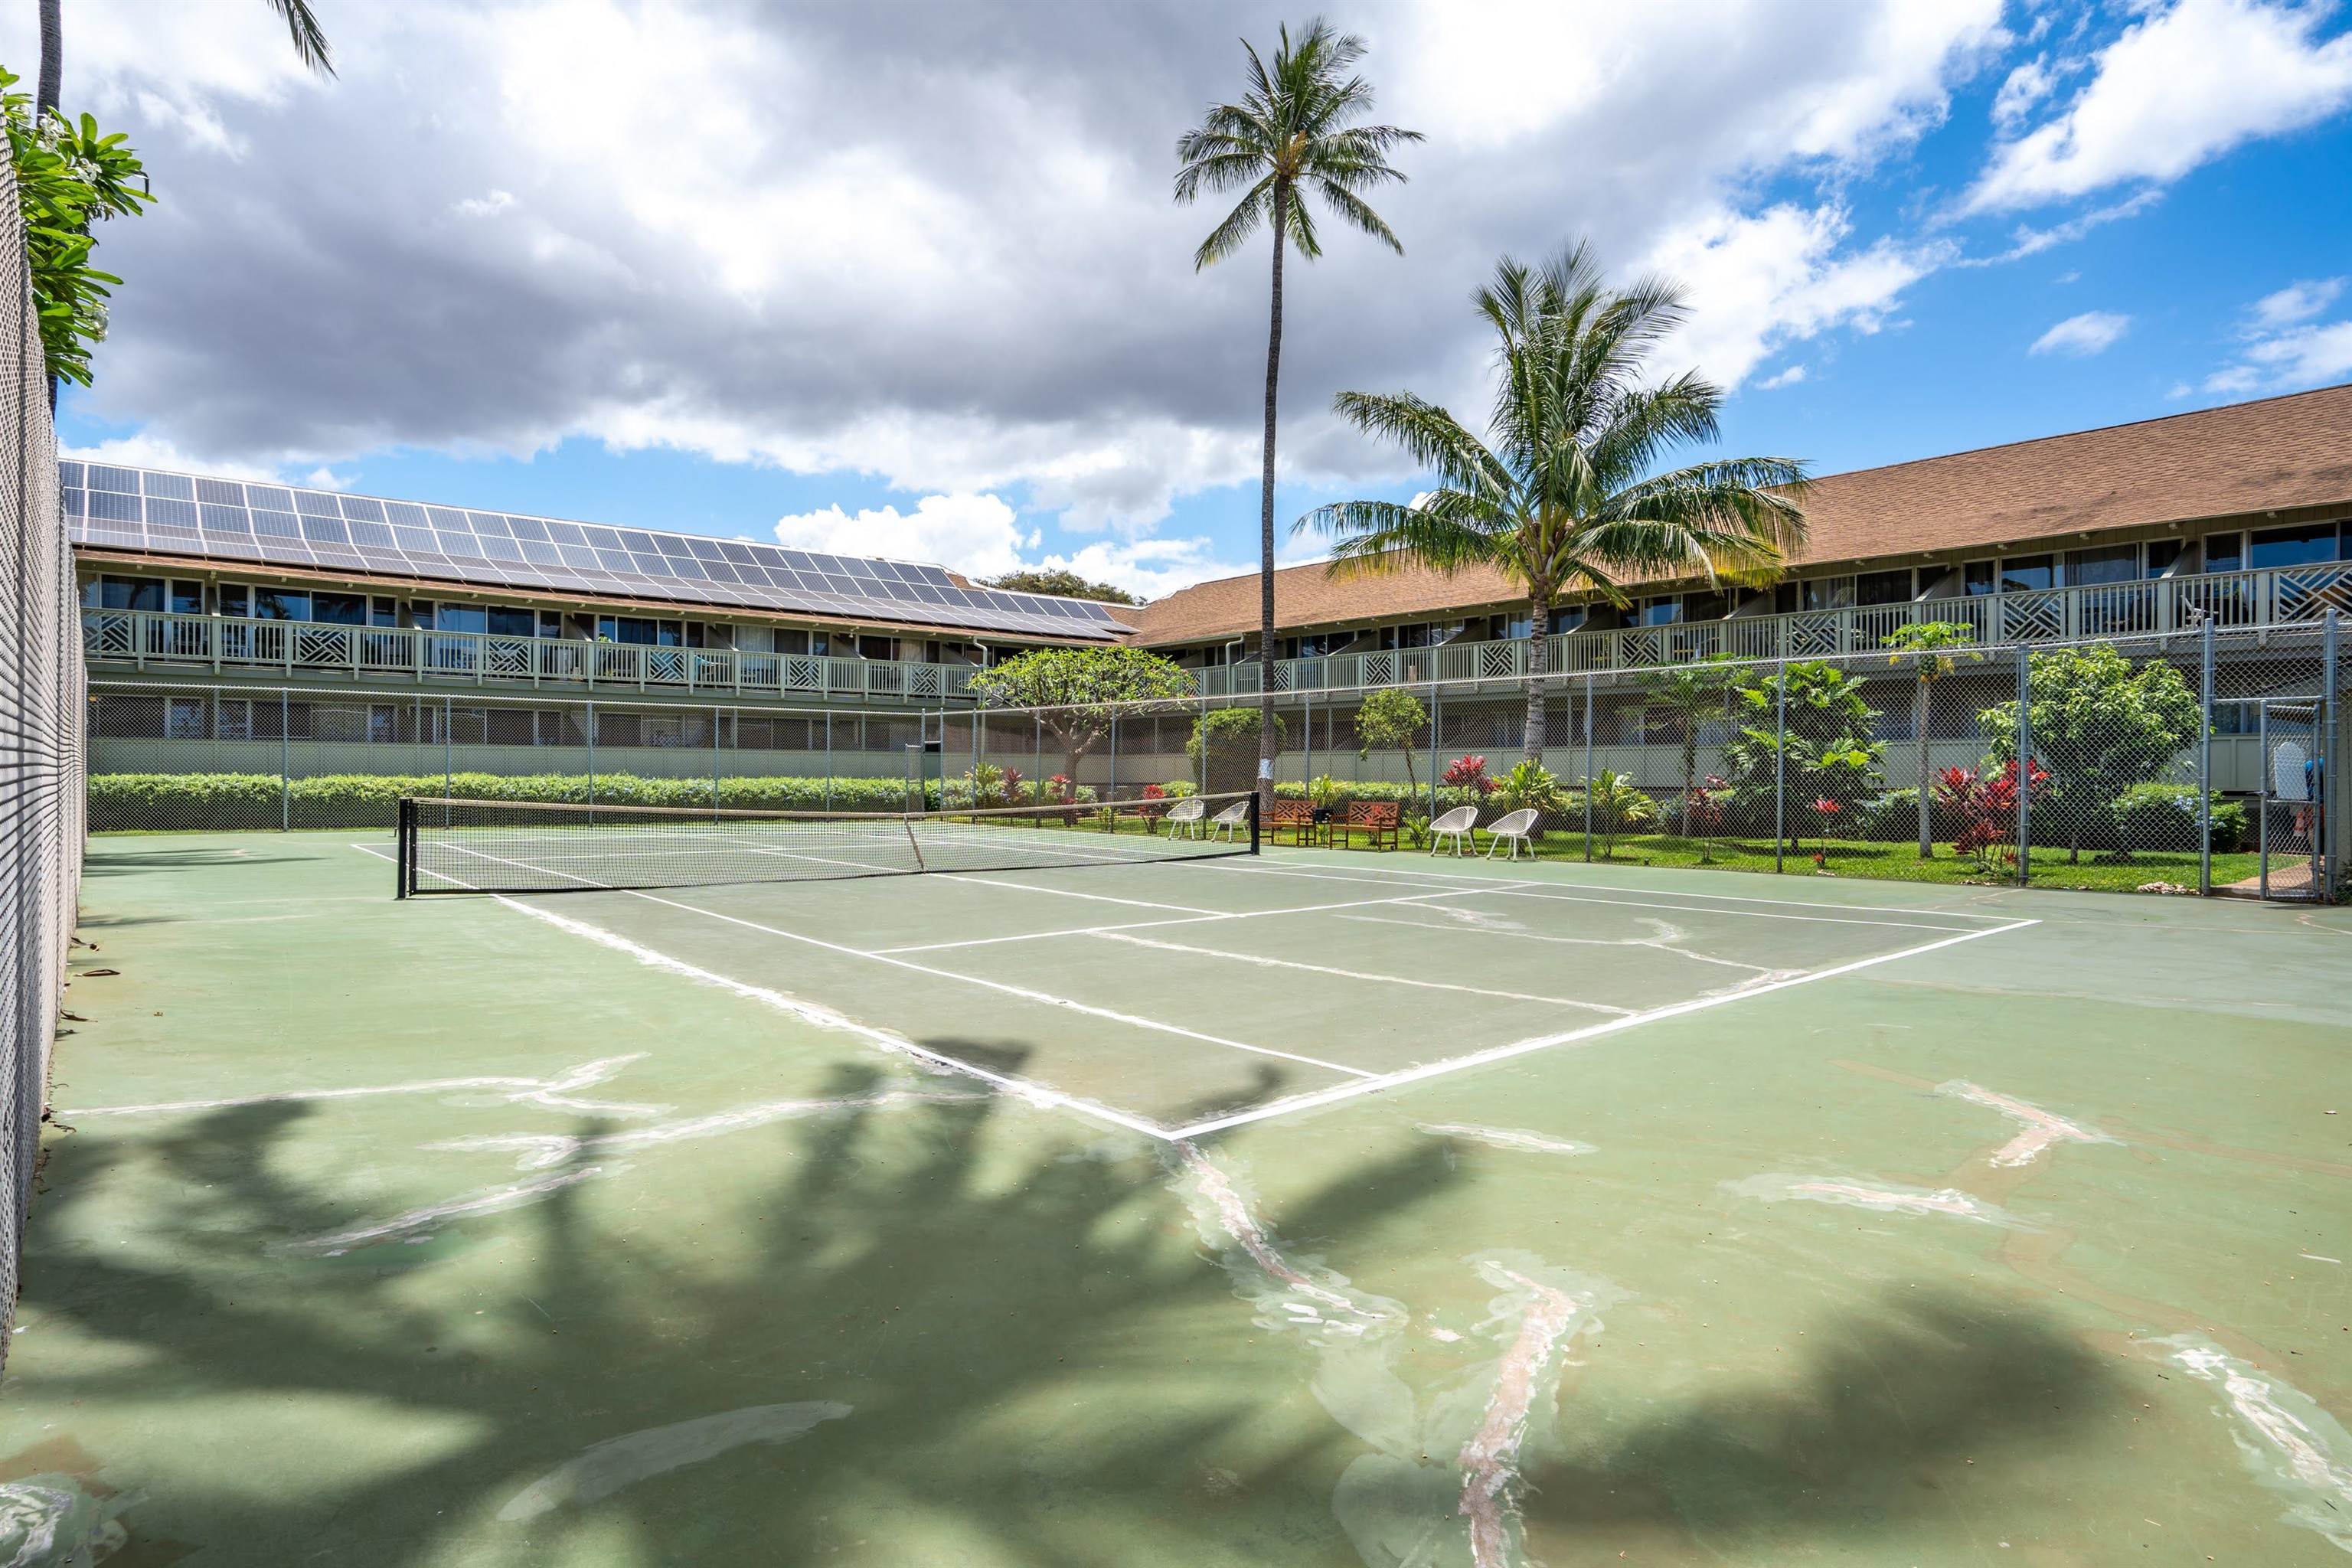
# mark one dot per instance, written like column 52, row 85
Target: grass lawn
column 2095, row 872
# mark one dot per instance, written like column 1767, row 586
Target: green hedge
column 168, row 801
column 2164, row 816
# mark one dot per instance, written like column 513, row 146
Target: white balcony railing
column 2285, row 596
column 146, row 639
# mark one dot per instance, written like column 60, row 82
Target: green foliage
column 1177, row 789
column 1063, row 582
column 1324, row 791
column 1390, row 721
column 1530, row 784
column 1078, row 691
column 1223, row 747
column 68, row 177
column 1924, row 637
column 1830, row 752
column 2100, row 724
column 2150, row 815
column 184, row 801
column 1691, row 694
column 1618, row 807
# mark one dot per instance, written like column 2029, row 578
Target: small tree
column 1388, row 721
column 1691, row 694
column 1618, row 807
column 1079, row 692
column 1223, row 747
column 2100, row 724
column 1060, row 581
column 1829, row 752
column 1919, row 640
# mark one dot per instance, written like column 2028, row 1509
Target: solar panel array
column 275, row 525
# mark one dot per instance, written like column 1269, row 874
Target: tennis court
column 1172, row 985
column 1123, row 1202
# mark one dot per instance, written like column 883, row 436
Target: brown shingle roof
column 2275, row 455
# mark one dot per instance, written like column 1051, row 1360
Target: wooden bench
column 1298, row 815
column 1376, row 819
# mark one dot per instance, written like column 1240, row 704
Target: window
column 383, row 612
column 339, row 609
column 187, row 598
column 280, row 605
column 1500, row 628
column 550, row 623
column 130, row 593
column 448, row 618
column 2107, row 563
column 1705, row 607
column 1784, row 599
column 1827, row 593
column 236, row 600
column 2164, row 556
column 1660, row 612
column 183, row 718
column 2225, row 552
column 791, row 639
column 507, row 623
column 762, row 639
column 1884, row 587
column 2306, row 544
column 878, row 647
column 233, row 719
column 2026, row 574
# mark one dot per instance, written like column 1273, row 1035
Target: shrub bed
column 184, row 802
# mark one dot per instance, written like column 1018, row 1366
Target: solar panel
column 190, row 515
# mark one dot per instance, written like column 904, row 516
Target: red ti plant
column 1827, row 811
column 1702, row 807
column 1987, row 806
column 1064, row 792
column 1155, row 801
column 1470, row 773
column 1012, row 786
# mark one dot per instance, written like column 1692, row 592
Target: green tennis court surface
column 1320, row 1207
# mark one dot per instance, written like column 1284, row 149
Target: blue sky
column 1907, row 230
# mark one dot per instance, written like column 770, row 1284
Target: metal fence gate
column 2291, row 833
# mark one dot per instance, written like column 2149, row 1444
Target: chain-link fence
column 40, row 741
column 2196, row 761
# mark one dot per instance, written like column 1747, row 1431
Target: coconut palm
column 1690, row 695
column 1294, row 134
column 1570, row 497
column 309, row 46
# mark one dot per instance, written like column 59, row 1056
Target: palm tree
column 309, row 47
column 1690, row 694
column 1568, row 498
column 1294, row 134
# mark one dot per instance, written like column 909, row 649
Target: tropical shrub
column 2164, row 816
column 1986, row 804
column 1389, row 721
column 2100, row 724
column 1828, row 750
column 1469, row 773
column 1618, row 807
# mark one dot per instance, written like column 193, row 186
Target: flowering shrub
column 1987, row 807
column 1060, row 790
column 1703, row 805
column 1470, row 773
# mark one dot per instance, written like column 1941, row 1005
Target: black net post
column 405, row 850
column 1253, row 812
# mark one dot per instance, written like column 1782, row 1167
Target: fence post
column 449, row 741
column 1037, row 758
column 1589, row 681
column 1308, row 744
column 286, row 763
column 2024, row 766
column 1110, row 791
column 829, row 760
column 591, row 754
column 2263, row 792
column 1436, row 721
column 716, row 761
column 1780, row 767
column 2205, row 758
column 2323, row 742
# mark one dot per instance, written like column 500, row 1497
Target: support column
column 2205, row 757
column 2024, row 766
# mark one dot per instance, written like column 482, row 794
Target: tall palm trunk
column 1538, row 665
column 53, row 46
column 1265, row 518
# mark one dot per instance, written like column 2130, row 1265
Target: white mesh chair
column 1184, row 817
column 1228, row 821
column 1514, row 826
column 1454, row 824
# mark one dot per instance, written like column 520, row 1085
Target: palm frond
column 1237, row 226
column 1431, row 437
column 310, row 46
column 1359, row 214
column 1374, row 538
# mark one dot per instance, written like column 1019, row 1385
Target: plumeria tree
column 1079, row 692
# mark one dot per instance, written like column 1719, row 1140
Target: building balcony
column 162, row 643
column 2284, row 596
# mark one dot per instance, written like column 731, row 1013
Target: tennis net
column 523, row 847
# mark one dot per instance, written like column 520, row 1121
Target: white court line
column 1186, row 920
column 824, row 1018
column 1265, row 961
column 1073, row 893
column 1022, row 992
column 1572, row 1037
column 1655, row 943
column 1492, row 885
column 1612, row 887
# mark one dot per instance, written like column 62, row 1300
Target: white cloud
column 1149, row 568
column 979, row 535
column 2296, row 302
column 1789, row 378
column 2289, row 361
column 1758, row 283
column 490, row 204
column 2091, row 332
column 2023, row 88
column 145, row 451
column 2181, row 85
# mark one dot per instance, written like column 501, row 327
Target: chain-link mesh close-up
column 41, row 739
